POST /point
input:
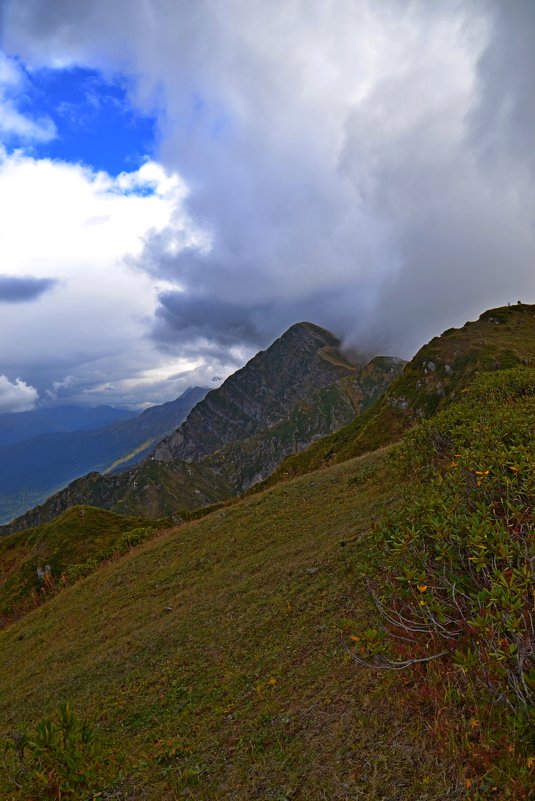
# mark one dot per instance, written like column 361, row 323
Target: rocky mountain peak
column 306, row 358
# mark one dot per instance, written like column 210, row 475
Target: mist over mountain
column 305, row 571
column 364, row 165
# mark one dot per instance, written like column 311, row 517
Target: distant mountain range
column 21, row 426
column 298, row 390
column 32, row 469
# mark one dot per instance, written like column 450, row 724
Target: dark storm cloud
column 22, row 289
column 502, row 124
column 411, row 214
column 203, row 318
column 367, row 166
column 212, row 325
column 461, row 208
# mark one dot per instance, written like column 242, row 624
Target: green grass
column 213, row 661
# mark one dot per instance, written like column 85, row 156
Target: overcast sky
column 181, row 180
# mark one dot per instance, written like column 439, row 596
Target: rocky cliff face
column 305, row 359
column 244, row 463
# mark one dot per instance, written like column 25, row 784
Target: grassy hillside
column 213, row 661
column 437, row 375
column 35, row 562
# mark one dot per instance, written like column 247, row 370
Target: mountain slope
column 304, row 359
column 439, row 373
column 212, row 664
column 30, row 471
column 230, row 657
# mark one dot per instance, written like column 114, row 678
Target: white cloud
column 14, row 123
column 16, row 396
column 83, row 228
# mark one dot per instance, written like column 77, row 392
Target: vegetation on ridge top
column 500, row 339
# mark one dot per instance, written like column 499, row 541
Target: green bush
column 125, row 542
column 132, row 538
column 56, row 760
column 80, row 570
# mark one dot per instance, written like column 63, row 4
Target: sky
column 182, row 181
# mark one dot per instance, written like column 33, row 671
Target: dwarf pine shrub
column 460, row 555
column 58, row 759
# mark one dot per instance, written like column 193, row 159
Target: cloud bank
column 368, row 166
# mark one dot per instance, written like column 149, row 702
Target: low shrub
column 130, row 539
column 457, row 597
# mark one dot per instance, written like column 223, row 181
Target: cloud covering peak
column 368, row 166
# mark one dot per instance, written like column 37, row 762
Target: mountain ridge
column 305, row 358
column 240, row 432
column 230, row 655
column 438, row 374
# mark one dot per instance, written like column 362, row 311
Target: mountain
column 31, row 470
column 305, row 359
column 232, row 657
column 301, row 388
column 360, row 631
column 20, row 426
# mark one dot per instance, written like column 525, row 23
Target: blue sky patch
column 95, row 122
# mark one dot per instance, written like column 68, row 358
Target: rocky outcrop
column 305, row 359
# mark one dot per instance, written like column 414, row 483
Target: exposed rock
column 305, row 359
